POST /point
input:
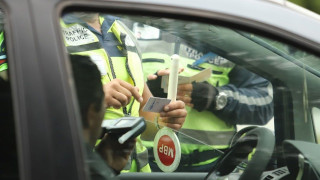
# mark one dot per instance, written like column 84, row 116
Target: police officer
column 3, row 58
column 3, row 55
column 110, row 45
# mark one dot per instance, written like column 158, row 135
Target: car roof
column 285, row 18
column 295, row 7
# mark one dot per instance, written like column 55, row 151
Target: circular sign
column 167, row 150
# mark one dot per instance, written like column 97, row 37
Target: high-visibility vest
column 81, row 41
column 204, row 126
column 3, row 56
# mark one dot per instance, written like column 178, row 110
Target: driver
column 108, row 157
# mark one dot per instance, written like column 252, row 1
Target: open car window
column 231, row 81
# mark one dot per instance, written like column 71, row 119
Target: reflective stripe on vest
column 85, row 47
column 77, row 36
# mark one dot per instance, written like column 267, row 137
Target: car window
column 230, row 81
column 8, row 157
column 164, row 45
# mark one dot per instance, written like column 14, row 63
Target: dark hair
column 89, row 89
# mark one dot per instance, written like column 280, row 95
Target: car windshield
column 226, row 80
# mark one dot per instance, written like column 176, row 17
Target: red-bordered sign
column 167, row 150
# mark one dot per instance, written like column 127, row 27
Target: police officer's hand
column 199, row 96
column 118, row 93
column 115, row 154
column 154, row 82
column 173, row 115
column 162, row 72
column 184, row 94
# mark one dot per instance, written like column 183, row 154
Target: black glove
column 155, row 87
column 203, row 96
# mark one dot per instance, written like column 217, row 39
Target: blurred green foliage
column 313, row 5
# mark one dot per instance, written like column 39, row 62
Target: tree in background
column 313, row 5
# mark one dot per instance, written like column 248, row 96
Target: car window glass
column 8, row 157
column 229, row 80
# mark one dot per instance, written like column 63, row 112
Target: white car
column 276, row 41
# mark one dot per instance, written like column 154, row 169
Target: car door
column 43, row 132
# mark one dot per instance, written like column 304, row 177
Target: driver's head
column 90, row 95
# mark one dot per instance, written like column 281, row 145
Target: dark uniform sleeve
column 250, row 99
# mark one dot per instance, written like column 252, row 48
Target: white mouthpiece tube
column 173, row 77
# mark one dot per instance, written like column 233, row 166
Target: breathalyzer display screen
column 123, row 122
